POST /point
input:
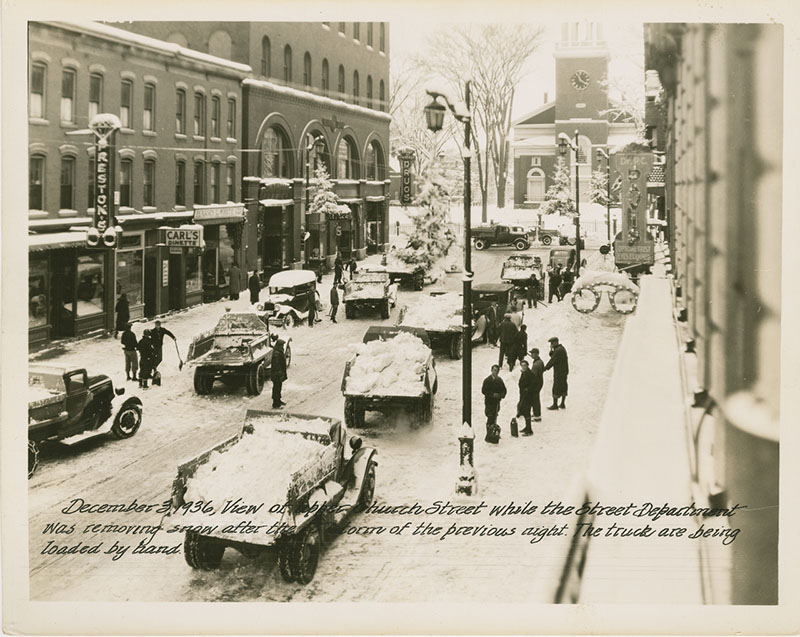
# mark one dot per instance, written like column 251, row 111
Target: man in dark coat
column 554, row 283
column 334, row 302
column 566, row 282
column 338, row 269
column 254, row 285
column 145, row 347
column 123, row 313
column 352, row 266
column 526, row 391
column 277, row 373
column 522, row 342
column 235, row 282
column 129, row 344
column 491, row 324
column 560, row 366
column 508, row 342
column 157, row 335
column 537, row 371
column 493, row 390
column 312, row 308
column 532, row 290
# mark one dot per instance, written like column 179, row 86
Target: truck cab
column 501, row 235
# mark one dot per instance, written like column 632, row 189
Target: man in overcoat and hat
column 559, row 363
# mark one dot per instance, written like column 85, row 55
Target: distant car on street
column 500, row 235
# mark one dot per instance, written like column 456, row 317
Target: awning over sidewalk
column 55, row 240
column 376, row 198
column 276, row 203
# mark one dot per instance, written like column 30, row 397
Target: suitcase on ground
column 514, row 428
column 157, row 378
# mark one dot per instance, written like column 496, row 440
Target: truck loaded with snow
column 239, row 347
column 393, row 368
column 68, row 405
column 440, row 316
column 411, row 277
column 518, row 269
column 286, row 481
column 370, row 291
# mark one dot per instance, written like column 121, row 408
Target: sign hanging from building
column 102, row 233
column 635, row 246
column 182, row 237
column 219, row 214
column 406, row 178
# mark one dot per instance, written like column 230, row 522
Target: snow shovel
column 180, row 360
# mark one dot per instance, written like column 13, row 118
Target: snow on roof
column 290, row 278
column 55, row 239
column 168, row 48
column 270, row 203
column 538, row 111
column 319, row 99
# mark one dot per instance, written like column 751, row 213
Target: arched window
column 355, row 87
column 287, row 63
column 382, row 96
column 373, row 162
column 36, row 182
column 307, row 69
column 340, row 86
column 67, row 183
column 266, row 57
column 326, row 76
column 199, row 182
column 149, row 183
column 369, row 91
column 346, row 164
column 276, row 156
column 319, row 152
column 219, row 44
column 535, row 191
column 180, row 183
column 95, row 94
column 125, row 178
column 37, row 85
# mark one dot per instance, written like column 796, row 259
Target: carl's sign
column 184, row 237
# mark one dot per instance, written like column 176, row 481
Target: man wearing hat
column 508, row 342
column 560, row 366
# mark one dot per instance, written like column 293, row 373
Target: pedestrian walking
column 338, row 270
column 559, row 363
column 334, row 302
column 157, row 335
column 508, row 342
column 566, row 283
column 123, row 313
column 254, row 285
column 352, row 266
column 277, row 373
column 526, row 391
column 493, row 390
column 537, row 369
column 145, row 347
column 532, row 290
column 522, row 342
column 235, row 282
column 554, row 283
column 491, row 323
column 312, row 308
column 129, row 344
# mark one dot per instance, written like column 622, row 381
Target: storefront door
column 152, row 279
column 176, row 281
column 62, row 292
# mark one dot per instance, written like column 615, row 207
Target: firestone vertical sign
column 635, row 246
column 103, row 203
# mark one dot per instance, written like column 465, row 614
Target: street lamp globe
column 434, row 115
column 563, row 144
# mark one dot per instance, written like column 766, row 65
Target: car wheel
column 127, row 420
column 287, row 354
column 456, row 346
column 208, row 382
column 202, row 552
column 547, row 240
column 367, row 487
column 480, row 244
column 519, row 244
column 255, row 379
column 349, row 413
column 199, row 381
column 305, row 554
column 33, row 457
column 288, row 320
column 285, row 561
column 385, row 309
column 359, row 414
column 435, row 387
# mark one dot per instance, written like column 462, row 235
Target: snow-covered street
column 415, row 465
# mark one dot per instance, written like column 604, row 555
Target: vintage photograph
column 460, row 311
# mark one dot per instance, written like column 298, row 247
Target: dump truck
column 369, row 291
column 238, row 347
column 439, row 315
column 301, row 478
column 400, row 273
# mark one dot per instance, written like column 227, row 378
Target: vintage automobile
column 320, row 490
column 369, row 291
column 484, row 294
column 290, row 294
column 500, row 235
column 399, row 273
column 518, row 269
column 68, row 405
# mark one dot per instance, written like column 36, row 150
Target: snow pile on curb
column 435, row 312
column 389, row 368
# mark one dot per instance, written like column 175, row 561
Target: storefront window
column 90, row 284
column 225, row 254
column 37, row 292
column 194, row 278
column 130, row 269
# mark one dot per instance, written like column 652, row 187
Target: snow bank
column 589, row 278
column 389, row 368
column 437, row 313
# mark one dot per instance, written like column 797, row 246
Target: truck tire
column 521, row 244
column 304, row 556
column 33, row 457
column 127, row 420
column 385, row 309
column 456, row 346
column 367, row 494
column 349, row 413
column 287, row 353
column 202, row 552
column 546, row 240
column 481, row 244
column 349, row 310
column 358, row 415
column 418, row 281
column 255, row 379
column 203, row 381
column 284, row 560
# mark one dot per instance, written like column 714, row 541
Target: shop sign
column 165, row 273
column 635, row 245
column 183, row 237
column 219, row 213
column 405, row 179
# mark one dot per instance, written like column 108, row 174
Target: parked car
column 484, row 294
column 500, row 235
column 68, row 404
column 288, row 300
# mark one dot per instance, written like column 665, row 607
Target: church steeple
column 581, row 69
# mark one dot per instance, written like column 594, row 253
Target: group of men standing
column 146, row 353
column 531, row 381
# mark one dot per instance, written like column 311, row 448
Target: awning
column 55, row 240
column 376, row 197
column 272, row 203
column 351, row 200
column 154, row 216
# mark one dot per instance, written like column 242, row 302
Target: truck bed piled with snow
column 394, row 368
column 435, row 313
column 365, row 290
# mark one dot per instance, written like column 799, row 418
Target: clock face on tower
column 580, row 80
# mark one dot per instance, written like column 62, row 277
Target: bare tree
column 493, row 57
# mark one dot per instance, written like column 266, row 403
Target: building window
column 307, row 69
column 180, row 183
column 67, row 183
column 287, row 63
column 230, row 179
column 130, row 269
column 383, row 37
column 341, row 27
column 180, row 111
column 356, row 30
column 37, row 290
column 369, row 91
column 90, row 182
column 199, row 182
column 215, row 108
column 275, row 154
column 231, row 118
column 369, row 33
column 382, row 96
column 326, row 76
column 355, row 87
column 149, row 113
column 90, row 283
column 199, row 114
column 125, row 173
column 266, row 57
column 535, row 185
column 345, row 160
column 95, row 95
column 126, row 97
column 149, row 182
column 68, row 95
column 215, row 182
column 37, row 105
column 341, row 87
column 36, row 183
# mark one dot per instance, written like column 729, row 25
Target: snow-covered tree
column 558, row 198
column 323, row 199
column 431, row 237
column 599, row 188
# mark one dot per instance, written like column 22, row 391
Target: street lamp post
column 563, row 142
column 434, row 114
column 602, row 153
column 312, row 142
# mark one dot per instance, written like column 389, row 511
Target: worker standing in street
column 254, row 285
column 277, row 373
column 493, row 390
column 537, row 370
column 334, row 302
column 526, row 391
column 312, row 308
column 508, row 342
column 157, row 335
column 129, row 344
column 559, row 363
